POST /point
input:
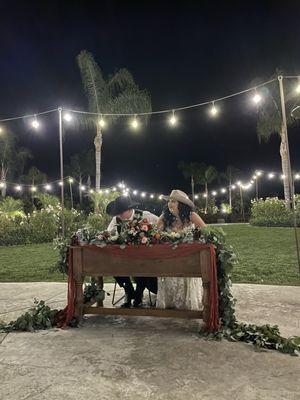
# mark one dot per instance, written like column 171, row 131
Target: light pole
column 61, row 170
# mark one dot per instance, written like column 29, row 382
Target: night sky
column 181, row 53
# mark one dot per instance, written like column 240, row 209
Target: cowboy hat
column 180, row 196
column 119, row 205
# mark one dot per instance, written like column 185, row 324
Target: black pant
column 141, row 284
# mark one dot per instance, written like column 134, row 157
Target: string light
column 18, row 188
column 35, row 123
column 270, row 175
column 173, row 119
column 297, row 90
column 82, row 187
column 106, row 191
column 297, row 176
column 196, row 197
column 214, row 110
column 100, row 191
column 48, row 187
column 71, row 180
column 214, row 193
column 257, row 98
column 134, row 123
column 233, row 187
column 151, row 196
column 143, row 194
column 91, row 191
column 223, row 190
column 33, row 189
column 258, row 173
column 67, row 117
column 2, row 185
column 60, row 183
column 135, row 192
column 102, row 122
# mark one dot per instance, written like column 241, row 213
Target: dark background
column 182, row 53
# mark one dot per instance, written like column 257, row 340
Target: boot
column 129, row 295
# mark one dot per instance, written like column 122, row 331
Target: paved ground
column 146, row 358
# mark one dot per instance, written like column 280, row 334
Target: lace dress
column 180, row 293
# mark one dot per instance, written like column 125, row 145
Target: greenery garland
column 262, row 336
column 38, row 317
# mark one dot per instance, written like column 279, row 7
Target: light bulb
column 102, row 122
column 270, row 176
column 35, row 124
column 214, row 110
column 18, row 188
column 143, row 194
column 214, row 193
column 82, row 187
column 256, row 98
column 196, row 197
column 48, row 187
column 151, row 196
column 135, row 123
column 135, row 192
column 67, row 117
column 297, row 88
column 33, row 188
column 173, row 119
column 223, row 190
column 71, row 180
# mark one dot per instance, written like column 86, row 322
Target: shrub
column 270, row 212
column 98, row 222
column 11, row 207
column 13, row 230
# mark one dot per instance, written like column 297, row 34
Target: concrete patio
column 146, row 358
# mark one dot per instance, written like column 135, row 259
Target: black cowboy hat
column 119, row 205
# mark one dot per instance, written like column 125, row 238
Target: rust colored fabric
column 160, row 251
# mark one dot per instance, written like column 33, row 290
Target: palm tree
column 192, row 171
column 208, row 175
column 229, row 176
column 12, row 158
column 269, row 122
column 117, row 94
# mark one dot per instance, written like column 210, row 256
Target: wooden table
column 99, row 262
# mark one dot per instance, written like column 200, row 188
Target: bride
column 180, row 293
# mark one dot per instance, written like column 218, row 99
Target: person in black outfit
column 123, row 209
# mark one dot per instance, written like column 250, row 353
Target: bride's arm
column 197, row 220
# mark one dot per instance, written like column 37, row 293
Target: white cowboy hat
column 180, row 196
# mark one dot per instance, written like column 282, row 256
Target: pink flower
column 144, row 228
column 144, row 240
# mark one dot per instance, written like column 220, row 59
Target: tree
column 269, row 122
column 229, row 176
column 116, row 94
column 12, row 158
column 81, row 166
column 193, row 171
column 208, row 175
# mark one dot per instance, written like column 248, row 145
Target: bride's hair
column 184, row 214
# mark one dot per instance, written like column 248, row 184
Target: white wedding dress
column 179, row 293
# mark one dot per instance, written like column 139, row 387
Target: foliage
column 101, row 200
column 98, row 222
column 38, row 227
column 46, row 200
column 39, row 317
column 270, row 212
column 11, row 207
column 225, row 208
column 92, row 293
column 264, row 336
column 117, row 93
column 12, row 157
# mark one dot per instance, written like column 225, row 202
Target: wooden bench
column 99, row 262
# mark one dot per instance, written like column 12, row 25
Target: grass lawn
column 266, row 255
